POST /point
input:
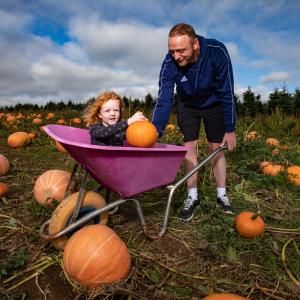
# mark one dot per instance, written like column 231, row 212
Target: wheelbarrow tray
column 125, row 170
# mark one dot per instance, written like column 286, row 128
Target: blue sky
column 61, row 50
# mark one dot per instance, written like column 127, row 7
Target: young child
column 104, row 119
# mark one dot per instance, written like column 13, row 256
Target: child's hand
column 138, row 116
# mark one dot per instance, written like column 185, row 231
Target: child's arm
column 100, row 131
column 138, row 116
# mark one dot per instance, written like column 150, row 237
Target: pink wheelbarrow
column 126, row 171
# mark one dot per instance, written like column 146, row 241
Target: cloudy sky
column 66, row 49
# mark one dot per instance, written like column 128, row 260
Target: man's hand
column 230, row 140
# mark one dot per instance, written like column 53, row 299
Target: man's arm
column 225, row 89
column 225, row 92
column 163, row 106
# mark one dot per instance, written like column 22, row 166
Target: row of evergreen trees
column 279, row 99
column 248, row 104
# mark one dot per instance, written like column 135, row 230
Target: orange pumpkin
column 170, row 127
column 51, row 185
column 50, row 115
column 64, row 211
column 95, row 255
column 10, row 118
column 294, row 174
column 249, row 225
column 61, row 122
column 224, row 297
column 141, row 134
column 264, row 164
column 32, row 135
column 60, row 147
column 76, row 121
column 37, row 121
column 4, row 165
column 20, row 116
column 272, row 141
column 3, row 189
column 270, row 169
column 18, row 139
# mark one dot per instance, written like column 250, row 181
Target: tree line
column 248, row 104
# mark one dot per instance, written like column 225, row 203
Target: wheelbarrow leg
column 71, row 181
column 80, row 197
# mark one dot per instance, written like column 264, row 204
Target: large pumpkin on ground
column 18, row 139
column 95, row 255
column 224, row 297
column 64, row 211
column 141, row 134
column 50, row 186
column 249, row 225
column 4, row 165
column 294, row 174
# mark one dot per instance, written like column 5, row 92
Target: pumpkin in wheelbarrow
column 141, row 134
column 63, row 213
column 96, row 255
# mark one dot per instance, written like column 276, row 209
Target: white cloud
column 278, row 77
column 234, row 52
column 121, row 45
column 103, row 56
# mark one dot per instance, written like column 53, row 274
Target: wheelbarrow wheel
column 62, row 214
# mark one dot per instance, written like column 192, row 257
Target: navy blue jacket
column 200, row 85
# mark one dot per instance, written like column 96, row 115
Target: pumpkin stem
column 256, row 215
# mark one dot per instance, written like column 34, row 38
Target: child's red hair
column 92, row 111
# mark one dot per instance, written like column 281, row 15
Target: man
column 202, row 71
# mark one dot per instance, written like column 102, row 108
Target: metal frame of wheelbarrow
column 109, row 207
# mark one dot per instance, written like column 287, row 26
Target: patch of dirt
column 51, row 284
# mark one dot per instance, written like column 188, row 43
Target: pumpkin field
column 256, row 256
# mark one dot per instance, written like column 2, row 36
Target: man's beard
column 194, row 56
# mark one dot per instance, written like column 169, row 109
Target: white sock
column 221, row 191
column 193, row 193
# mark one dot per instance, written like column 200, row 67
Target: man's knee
column 213, row 146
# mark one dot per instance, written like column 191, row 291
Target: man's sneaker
column 224, row 204
column 189, row 207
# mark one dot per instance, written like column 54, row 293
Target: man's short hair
column 182, row 29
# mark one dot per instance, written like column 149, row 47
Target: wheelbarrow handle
column 155, row 236
column 201, row 164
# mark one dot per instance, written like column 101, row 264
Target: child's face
column 110, row 112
